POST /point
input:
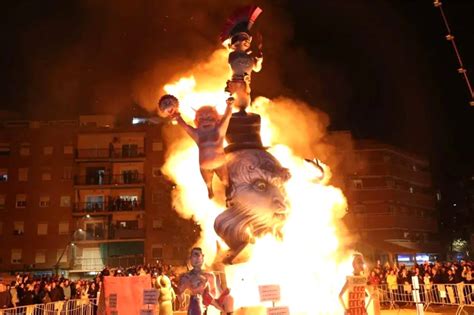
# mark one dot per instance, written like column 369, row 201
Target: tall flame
column 310, row 263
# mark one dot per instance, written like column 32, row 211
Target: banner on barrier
column 125, row 295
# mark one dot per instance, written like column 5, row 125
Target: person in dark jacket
column 5, row 298
column 57, row 293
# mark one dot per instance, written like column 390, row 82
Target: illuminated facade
column 81, row 194
column 391, row 201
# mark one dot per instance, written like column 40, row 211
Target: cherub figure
column 209, row 136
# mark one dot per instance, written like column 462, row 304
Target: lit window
column 21, row 201
column 2, row 201
column 359, row 209
column 357, row 183
column 65, row 201
column 411, row 190
column 46, row 176
column 156, row 171
column 414, row 168
column 157, row 224
column 3, row 175
column 23, row 174
column 157, row 251
column 16, row 256
column 63, row 228
column 48, row 150
column 67, row 173
column 40, row 257
column 25, row 149
column 18, row 228
column 157, row 146
column 44, row 201
column 42, row 228
column 68, row 149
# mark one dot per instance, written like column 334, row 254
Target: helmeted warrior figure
column 241, row 60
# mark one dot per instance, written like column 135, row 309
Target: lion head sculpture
column 256, row 199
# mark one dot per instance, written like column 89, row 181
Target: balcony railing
column 123, row 153
column 97, row 264
column 112, row 233
column 126, row 178
column 116, row 205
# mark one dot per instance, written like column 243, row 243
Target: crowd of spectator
column 27, row 289
column 427, row 273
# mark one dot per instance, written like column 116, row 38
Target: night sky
column 382, row 69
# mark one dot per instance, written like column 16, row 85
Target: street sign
column 150, row 296
column 269, row 293
column 280, row 310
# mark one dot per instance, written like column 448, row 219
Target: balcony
column 106, row 154
column 111, row 206
column 375, row 221
column 396, row 195
column 126, row 178
column 97, row 264
column 111, row 234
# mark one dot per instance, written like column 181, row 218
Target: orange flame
column 309, row 264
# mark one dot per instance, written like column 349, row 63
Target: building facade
column 392, row 206
column 79, row 195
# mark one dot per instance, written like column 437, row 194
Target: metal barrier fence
column 70, row 307
column 459, row 295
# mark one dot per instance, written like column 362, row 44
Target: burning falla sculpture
column 254, row 179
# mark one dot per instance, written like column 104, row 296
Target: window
column 156, row 197
column 158, row 224
column 4, row 149
column 20, row 201
column 40, row 257
column 16, row 256
column 46, row 175
column 156, row 171
column 18, row 228
column 359, row 209
column 411, row 190
column 157, row 146
column 48, row 150
column 157, row 251
column 68, row 149
column 3, row 175
column 67, row 173
column 65, row 201
column 44, row 201
column 129, row 150
column 25, row 149
column 42, row 228
column 61, row 255
column 63, row 228
column 414, row 168
column 357, row 184
column 23, row 174
column 2, row 201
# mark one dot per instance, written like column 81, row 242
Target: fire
column 310, row 263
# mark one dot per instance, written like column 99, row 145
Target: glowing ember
column 310, row 263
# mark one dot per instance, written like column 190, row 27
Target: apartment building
column 79, row 195
column 392, row 206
